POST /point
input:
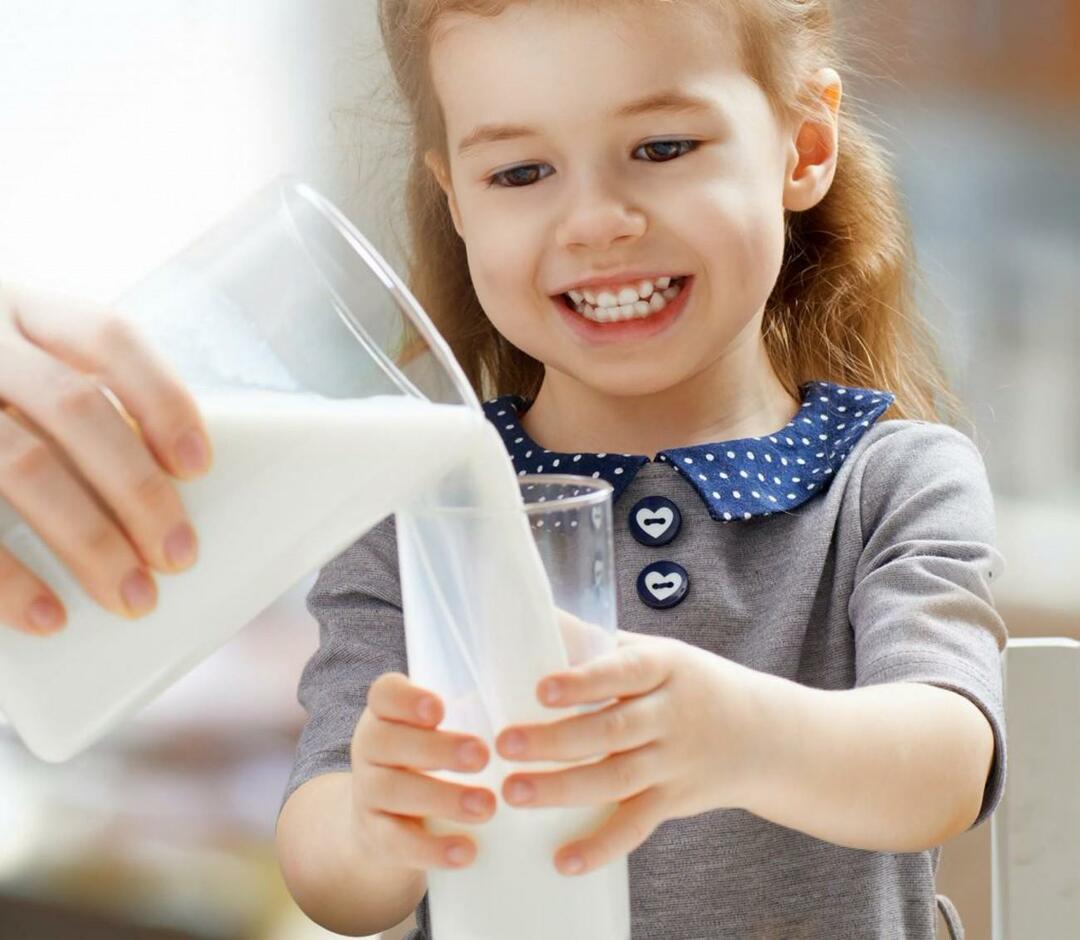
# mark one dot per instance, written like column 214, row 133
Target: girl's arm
column 330, row 876
column 899, row 767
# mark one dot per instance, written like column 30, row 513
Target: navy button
column 655, row 520
column 663, row 584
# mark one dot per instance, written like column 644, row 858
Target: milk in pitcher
column 296, row 479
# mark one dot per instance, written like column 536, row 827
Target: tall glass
column 501, row 612
column 330, row 400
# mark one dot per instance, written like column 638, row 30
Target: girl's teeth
column 662, row 282
column 601, row 312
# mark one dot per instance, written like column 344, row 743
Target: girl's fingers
column 407, row 842
column 407, row 793
column 391, row 732
column 632, row 669
column 616, row 777
column 393, row 744
column 622, row 726
column 633, row 821
column 394, row 697
column 26, row 603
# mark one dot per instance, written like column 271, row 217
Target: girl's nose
column 599, row 223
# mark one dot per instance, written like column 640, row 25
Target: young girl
column 668, row 257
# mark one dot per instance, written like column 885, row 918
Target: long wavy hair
column 843, row 308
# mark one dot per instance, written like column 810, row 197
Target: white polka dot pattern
column 782, row 470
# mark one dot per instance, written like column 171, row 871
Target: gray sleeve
column 356, row 600
column 921, row 608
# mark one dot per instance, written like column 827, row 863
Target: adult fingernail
column 457, row 854
column 471, row 753
column 192, row 451
column 45, row 613
column 475, row 803
column 573, row 864
column 551, row 691
column 521, row 791
column 138, row 591
column 180, row 546
column 514, row 743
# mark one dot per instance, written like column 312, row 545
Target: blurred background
column 127, row 127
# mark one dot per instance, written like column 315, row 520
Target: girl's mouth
column 600, row 324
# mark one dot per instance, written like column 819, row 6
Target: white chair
column 1035, row 832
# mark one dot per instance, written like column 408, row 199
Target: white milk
column 488, row 594
column 295, row 480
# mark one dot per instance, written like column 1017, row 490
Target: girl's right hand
column 391, row 745
column 91, row 481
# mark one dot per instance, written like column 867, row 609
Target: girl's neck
column 718, row 404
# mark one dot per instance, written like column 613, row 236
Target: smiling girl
column 667, row 256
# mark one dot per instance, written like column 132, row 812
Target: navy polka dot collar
column 740, row 479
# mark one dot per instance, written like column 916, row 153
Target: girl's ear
column 438, row 168
column 814, row 147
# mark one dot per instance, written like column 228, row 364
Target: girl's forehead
column 582, row 57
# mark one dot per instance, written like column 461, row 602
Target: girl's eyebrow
column 670, row 100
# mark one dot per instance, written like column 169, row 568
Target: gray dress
column 880, row 571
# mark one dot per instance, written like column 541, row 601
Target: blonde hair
column 843, row 307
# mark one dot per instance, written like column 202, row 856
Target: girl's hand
column 679, row 741
column 394, row 741
column 91, row 482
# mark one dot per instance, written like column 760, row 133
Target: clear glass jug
column 329, row 398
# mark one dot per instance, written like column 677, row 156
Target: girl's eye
column 519, row 177
column 667, row 155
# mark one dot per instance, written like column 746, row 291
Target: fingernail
column 191, row 451
column 514, row 743
column 457, row 854
column 427, row 709
column 551, row 691
column 573, row 864
column 475, row 803
column 45, row 613
column 471, row 753
column 521, row 791
column 180, row 546
column 138, row 591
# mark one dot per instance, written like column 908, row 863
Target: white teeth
column 628, row 295
column 590, row 297
column 608, row 309
column 662, row 282
column 645, row 289
column 576, row 296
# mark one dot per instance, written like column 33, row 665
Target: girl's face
column 588, row 186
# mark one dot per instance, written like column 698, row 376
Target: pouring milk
column 296, row 479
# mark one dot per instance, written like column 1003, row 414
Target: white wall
column 129, row 126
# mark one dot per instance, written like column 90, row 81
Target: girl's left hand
column 678, row 741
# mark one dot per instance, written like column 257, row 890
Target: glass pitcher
column 329, row 398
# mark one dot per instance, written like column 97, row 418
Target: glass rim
column 296, row 187
column 597, row 492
